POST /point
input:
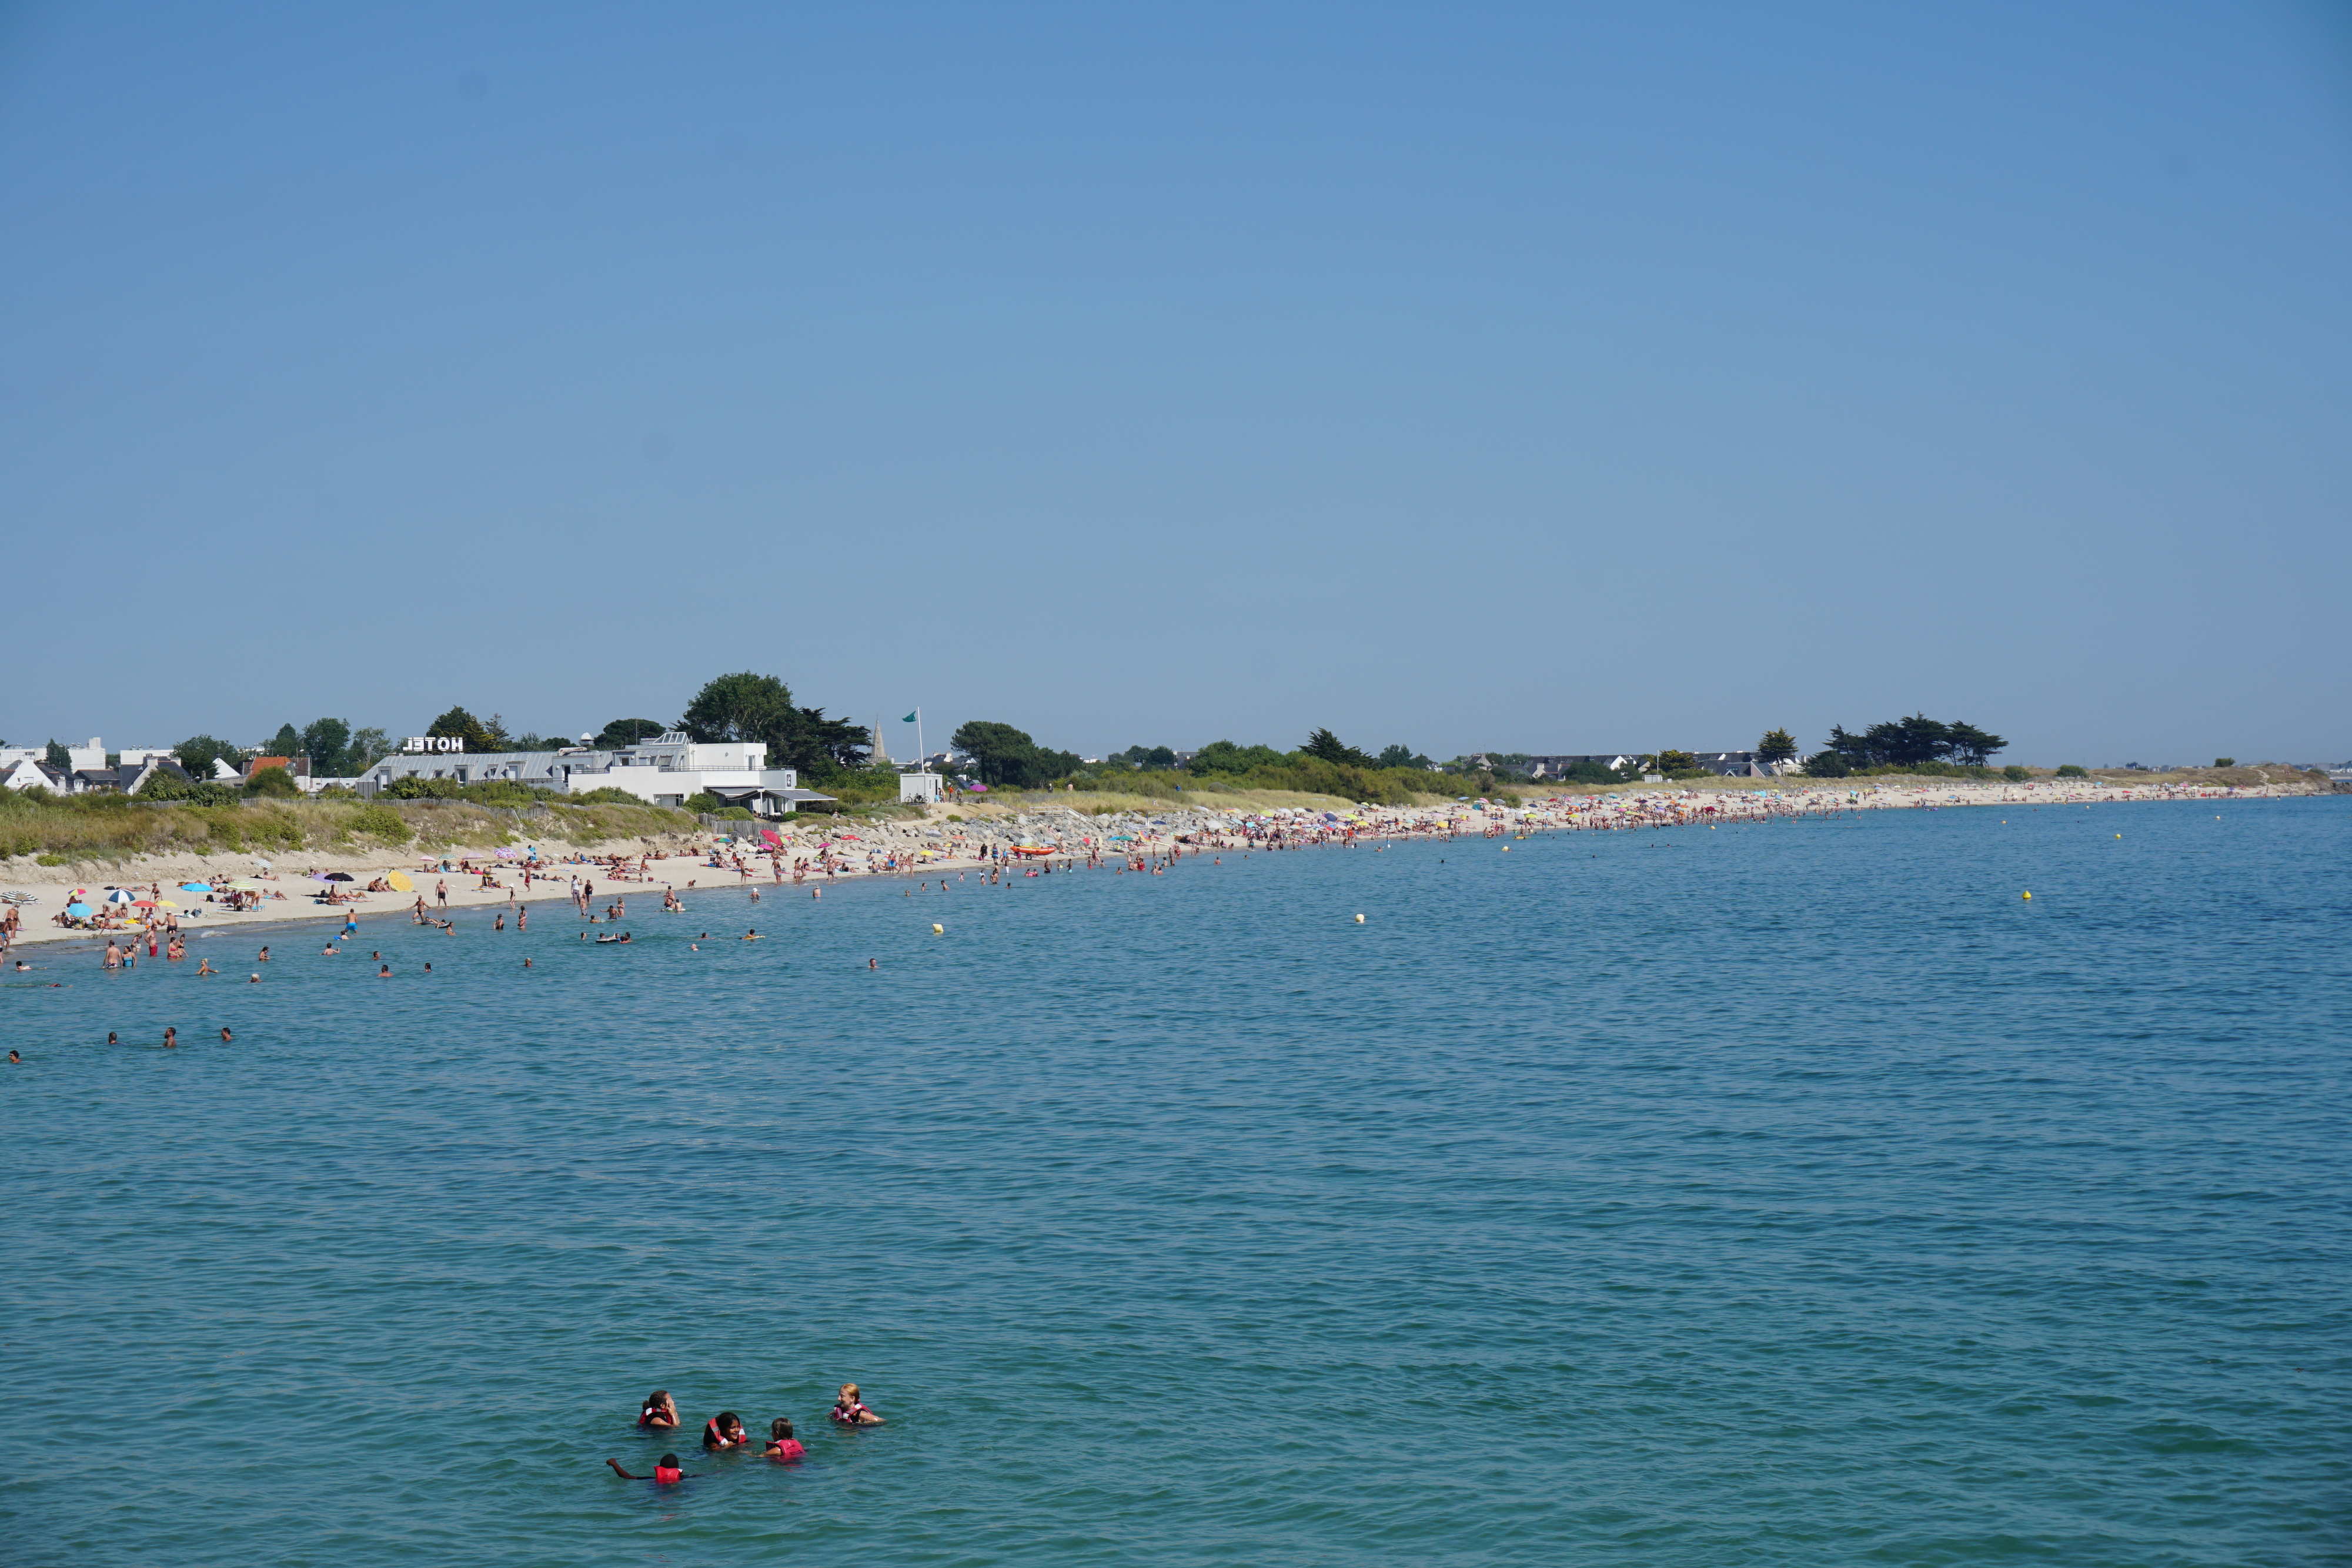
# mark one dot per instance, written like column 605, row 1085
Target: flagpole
column 922, row 757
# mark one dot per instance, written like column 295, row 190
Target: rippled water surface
column 1776, row 1195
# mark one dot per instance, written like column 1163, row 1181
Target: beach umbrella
column 318, row 877
column 165, row 904
column 142, row 903
column 195, row 887
column 262, row 863
column 246, row 884
column 399, row 880
column 78, row 909
column 116, row 895
column 338, row 877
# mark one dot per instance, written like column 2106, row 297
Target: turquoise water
column 1777, row 1194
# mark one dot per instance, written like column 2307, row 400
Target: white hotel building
column 665, row 772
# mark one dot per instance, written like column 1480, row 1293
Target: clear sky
column 1541, row 378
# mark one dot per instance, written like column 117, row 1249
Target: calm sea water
column 1778, row 1195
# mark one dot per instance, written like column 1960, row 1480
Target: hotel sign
column 415, row 744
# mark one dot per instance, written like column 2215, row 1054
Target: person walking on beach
column 441, row 893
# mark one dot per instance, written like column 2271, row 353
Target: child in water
column 850, row 1411
column 783, row 1446
column 664, row 1473
column 723, row 1431
column 660, row 1410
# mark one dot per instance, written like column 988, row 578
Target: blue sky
column 1537, row 377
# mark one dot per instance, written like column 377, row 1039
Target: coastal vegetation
column 1917, row 744
column 57, row 831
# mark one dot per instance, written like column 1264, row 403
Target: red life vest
column 664, row 1473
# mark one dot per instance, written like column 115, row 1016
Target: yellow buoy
column 1507, row 849
column 2119, row 835
column 2029, row 896
column 938, row 930
column 1359, row 920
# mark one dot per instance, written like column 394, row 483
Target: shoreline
column 816, row 850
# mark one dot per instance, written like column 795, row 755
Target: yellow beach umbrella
column 167, row 904
column 399, row 880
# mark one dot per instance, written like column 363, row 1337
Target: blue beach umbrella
column 77, row 909
column 195, row 887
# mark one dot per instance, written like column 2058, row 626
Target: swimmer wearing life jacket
column 724, row 1431
column 660, row 1410
column 783, row 1446
column 851, row 1411
column 665, row 1473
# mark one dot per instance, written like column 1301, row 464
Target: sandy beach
column 963, row 838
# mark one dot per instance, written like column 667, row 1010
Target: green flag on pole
column 909, row 719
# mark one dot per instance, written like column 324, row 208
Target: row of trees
column 1914, row 742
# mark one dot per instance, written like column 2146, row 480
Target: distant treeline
column 1912, row 744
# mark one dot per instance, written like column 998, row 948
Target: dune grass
column 50, row 830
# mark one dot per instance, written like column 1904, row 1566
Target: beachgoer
column 723, row 1431
column 665, row 1473
column 15, row 1060
column 265, row 956
column 171, row 1038
column 110, row 1039
column 851, row 1411
column 783, row 1446
column 205, row 966
column 660, row 1410
column 225, row 1036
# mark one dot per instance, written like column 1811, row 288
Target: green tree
column 1329, row 747
column 1400, row 757
column 1146, row 757
column 325, row 742
column 459, row 724
column 199, row 752
column 623, row 732
column 1000, row 754
column 743, row 706
column 1829, row 763
column 273, row 782
column 286, row 742
column 59, row 758
column 368, row 748
column 1224, row 756
column 2072, row 770
column 2225, row 762
column 1676, row 762
column 1972, row 747
column 1778, row 746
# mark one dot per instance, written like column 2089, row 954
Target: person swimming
column 660, row 1410
column 783, row 1446
column 851, row 1411
column 665, row 1473
column 723, row 1431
